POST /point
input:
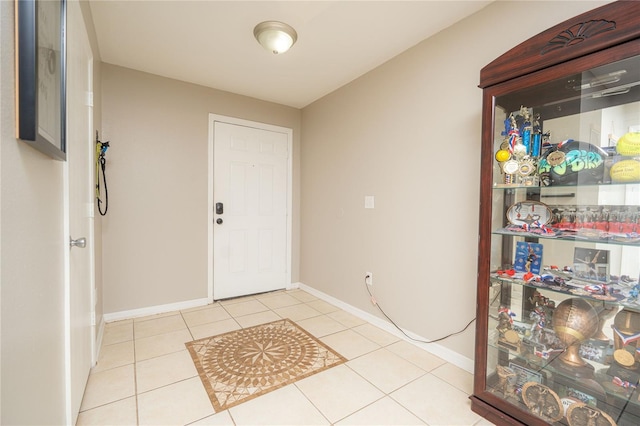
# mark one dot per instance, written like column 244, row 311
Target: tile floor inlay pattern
column 240, row 365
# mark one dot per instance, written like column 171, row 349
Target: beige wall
column 388, row 134
column 32, row 248
column 32, row 260
column 155, row 233
column 408, row 133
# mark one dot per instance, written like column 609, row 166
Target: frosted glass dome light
column 276, row 37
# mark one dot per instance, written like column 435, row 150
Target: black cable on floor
column 375, row 302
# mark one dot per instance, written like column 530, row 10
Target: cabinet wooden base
column 492, row 414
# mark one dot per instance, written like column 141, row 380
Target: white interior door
column 80, row 149
column 251, row 209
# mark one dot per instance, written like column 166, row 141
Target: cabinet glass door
column 564, row 305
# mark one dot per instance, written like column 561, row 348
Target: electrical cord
column 106, row 190
column 375, row 302
column 101, row 165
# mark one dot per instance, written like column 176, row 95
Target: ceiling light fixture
column 276, row 37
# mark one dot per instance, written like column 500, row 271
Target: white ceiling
column 211, row 43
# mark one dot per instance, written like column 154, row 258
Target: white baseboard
column 160, row 309
column 153, row 310
column 438, row 350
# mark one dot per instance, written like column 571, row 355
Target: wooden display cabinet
column 558, row 320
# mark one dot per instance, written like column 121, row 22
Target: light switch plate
column 368, row 201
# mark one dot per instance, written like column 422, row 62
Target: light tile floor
column 145, row 375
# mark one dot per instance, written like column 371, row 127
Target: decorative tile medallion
column 243, row 364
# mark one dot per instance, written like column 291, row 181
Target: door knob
column 80, row 242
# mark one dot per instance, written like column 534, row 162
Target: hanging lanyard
column 101, row 150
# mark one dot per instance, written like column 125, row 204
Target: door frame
column 213, row 118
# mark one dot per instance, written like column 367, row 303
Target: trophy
column 626, row 326
column 626, row 340
column 579, row 414
column 605, row 312
column 505, row 375
column 542, row 401
column 507, row 337
column 574, row 321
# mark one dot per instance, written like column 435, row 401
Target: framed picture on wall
column 41, row 75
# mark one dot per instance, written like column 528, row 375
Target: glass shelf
column 632, row 240
column 593, row 294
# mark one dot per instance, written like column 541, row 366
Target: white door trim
column 67, row 293
column 213, row 118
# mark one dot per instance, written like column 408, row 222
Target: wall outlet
column 368, row 278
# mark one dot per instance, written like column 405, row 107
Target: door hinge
column 93, row 318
